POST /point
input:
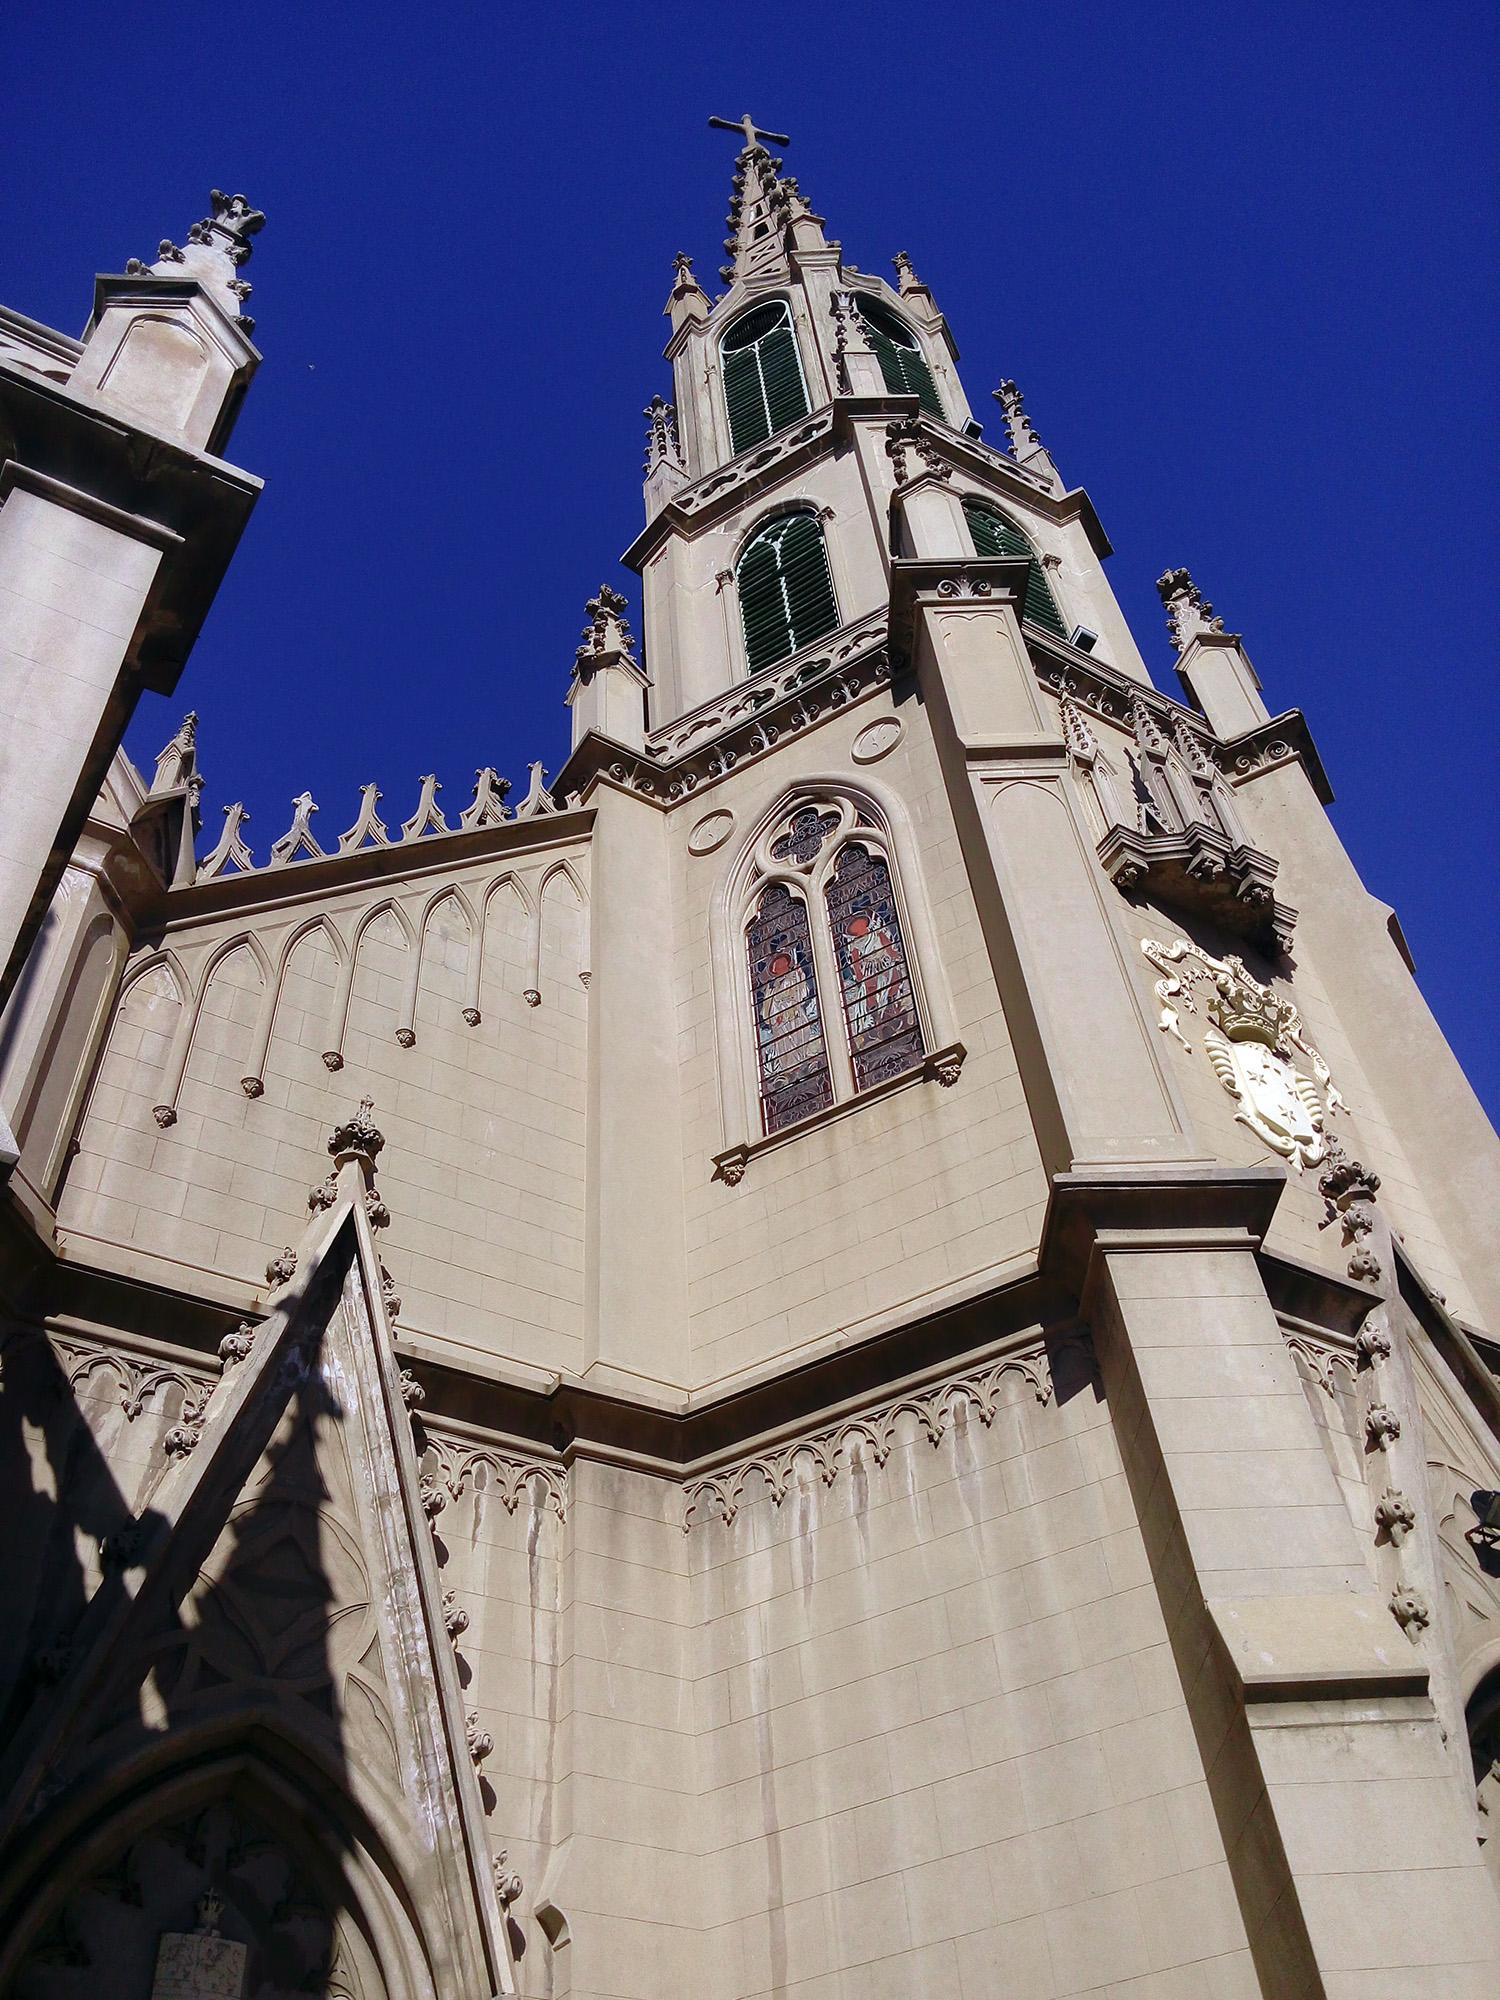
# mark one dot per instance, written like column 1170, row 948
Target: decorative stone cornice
column 138, row 1378
column 928, row 1412
column 743, row 724
column 453, row 1464
column 1278, row 741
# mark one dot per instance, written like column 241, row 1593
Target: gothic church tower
column 852, row 1351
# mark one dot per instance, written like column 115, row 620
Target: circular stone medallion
column 877, row 739
column 711, row 831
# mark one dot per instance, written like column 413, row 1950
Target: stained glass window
column 805, row 834
column 794, row 1079
column 885, row 1037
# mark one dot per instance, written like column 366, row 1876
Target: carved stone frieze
column 873, row 1435
column 139, row 1378
column 451, row 1465
column 1323, row 1360
column 759, row 698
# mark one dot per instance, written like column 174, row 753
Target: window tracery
column 792, row 1050
column 825, row 931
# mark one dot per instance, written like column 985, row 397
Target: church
column 853, row 1349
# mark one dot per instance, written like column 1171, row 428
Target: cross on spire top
column 755, row 135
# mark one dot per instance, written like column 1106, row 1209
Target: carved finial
column 1019, row 427
column 357, row 1138
column 481, row 1743
column 1188, row 612
column 428, row 817
column 369, row 827
column 488, row 807
column 231, row 850
column 1078, row 732
column 215, row 249
column 538, row 799
column 662, row 447
column 906, row 278
column 607, row 636
column 1147, row 733
column 297, row 842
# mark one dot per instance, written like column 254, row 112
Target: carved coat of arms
column 1252, row 1037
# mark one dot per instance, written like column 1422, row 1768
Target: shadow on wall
column 197, row 1809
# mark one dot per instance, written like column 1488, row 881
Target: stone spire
column 768, row 213
column 1026, row 448
column 215, row 250
column 1211, row 663
column 687, row 299
column 607, row 693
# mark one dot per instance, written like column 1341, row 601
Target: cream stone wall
column 943, row 1746
column 485, row 1121
column 900, row 1199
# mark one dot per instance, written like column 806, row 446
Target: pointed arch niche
column 828, row 989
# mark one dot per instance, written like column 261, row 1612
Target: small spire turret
column 1026, row 448
column 215, row 250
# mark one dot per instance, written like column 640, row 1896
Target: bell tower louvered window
column 763, row 386
column 785, row 589
column 903, row 366
column 993, row 535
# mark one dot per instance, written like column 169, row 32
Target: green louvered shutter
column 903, row 367
column 994, row 536
column 763, row 387
column 786, row 592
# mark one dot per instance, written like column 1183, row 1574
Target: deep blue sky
column 1241, row 259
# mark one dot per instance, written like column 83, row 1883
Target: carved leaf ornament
column 1251, row 1037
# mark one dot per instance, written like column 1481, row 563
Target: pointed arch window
column 790, row 1046
column 785, row 589
column 825, row 936
column 763, row 386
column 993, row 535
column 903, row 366
column 880, row 1012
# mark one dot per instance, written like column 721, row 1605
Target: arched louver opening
column 791, row 1053
column 993, row 535
column 786, row 592
column 902, row 363
column 763, row 386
